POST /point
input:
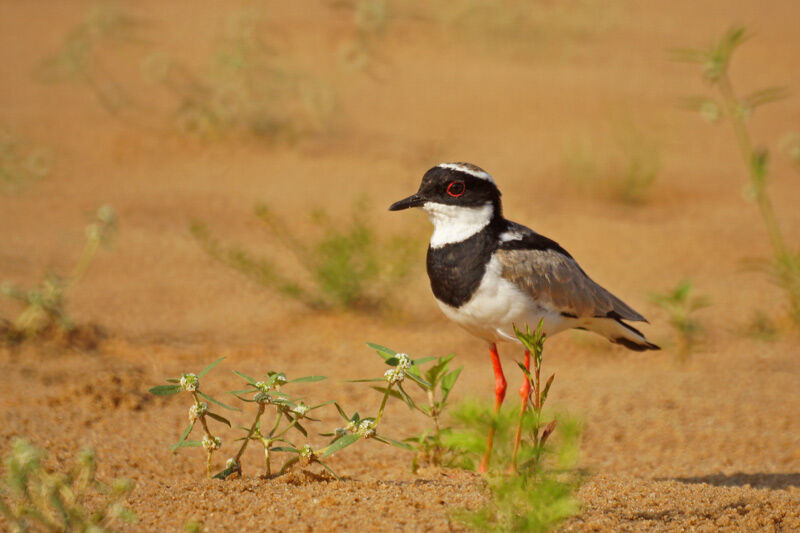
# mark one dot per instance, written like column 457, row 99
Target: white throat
column 453, row 223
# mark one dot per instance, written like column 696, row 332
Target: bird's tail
column 619, row 332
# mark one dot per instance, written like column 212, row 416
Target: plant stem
column 249, row 435
column 759, row 186
column 383, row 404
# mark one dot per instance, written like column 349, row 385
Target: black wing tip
column 635, row 346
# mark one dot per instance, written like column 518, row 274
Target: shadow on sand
column 757, row 480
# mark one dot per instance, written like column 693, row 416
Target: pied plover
column 488, row 273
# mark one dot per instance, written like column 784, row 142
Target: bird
column 489, row 274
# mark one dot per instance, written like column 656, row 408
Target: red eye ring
column 456, row 188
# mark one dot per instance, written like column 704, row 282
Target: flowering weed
column 35, row 498
column 291, row 416
column 44, row 306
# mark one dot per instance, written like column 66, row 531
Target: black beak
column 415, row 200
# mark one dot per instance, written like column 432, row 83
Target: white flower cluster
column 211, row 443
column 263, row 397
column 279, row 379
column 367, row 428
column 394, row 375
column 231, row 464
column 190, row 382
column 300, row 409
column 306, row 451
column 197, row 410
column 263, row 386
column 403, row 361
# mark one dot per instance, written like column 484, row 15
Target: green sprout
column 680, row 305
column 33, row 497
column 783, row 268
column 542, row 493
column 44, row 306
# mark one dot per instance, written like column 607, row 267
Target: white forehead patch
column 471, row 170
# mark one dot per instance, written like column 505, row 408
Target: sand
column 706, row 445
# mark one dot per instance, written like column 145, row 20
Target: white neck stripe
column 466, row 170
column 452, row 223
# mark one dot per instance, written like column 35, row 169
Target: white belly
column 497, row 305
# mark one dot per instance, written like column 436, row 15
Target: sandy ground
column 708, row 445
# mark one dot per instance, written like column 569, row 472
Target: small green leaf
column 339, row 444
column 341, row 411
column 210, row 399
column 301, row 429
column 547, row 388
column 392, row 393
column 284, row 449
column 383, row 351
column 326, row 467
column 423, row 360
column 165, row 390
column 449, row 381
column 207, row 369
column 218, row 418
column 307, row 379
column 321, row 405
column 245, row 377
column 183, row 436
column 405, row 397
column 364, row 380
column 227, row 472
column 173, row 380
column 187, row 444
column 418, row 380
column 387, row 440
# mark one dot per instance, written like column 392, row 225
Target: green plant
column 715, row 61
column 198, row 412
column 21, row 165
column 81, row 55
column 288, row 413
column 33, row 497
column 542, row 494
column 249, row 87
column 349, row 267
column 436, row 383
column 625, row 172
column 44, row 306
column 370, row 20
column 680, row 305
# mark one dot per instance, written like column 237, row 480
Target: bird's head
column 459, row 198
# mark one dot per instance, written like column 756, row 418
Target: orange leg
column 499, row 395
column 524, row 393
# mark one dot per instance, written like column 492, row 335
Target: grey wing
column 553, row 277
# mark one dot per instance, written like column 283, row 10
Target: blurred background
column 184, row 180
column 175, row 114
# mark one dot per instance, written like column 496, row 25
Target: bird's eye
column 456, row 188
